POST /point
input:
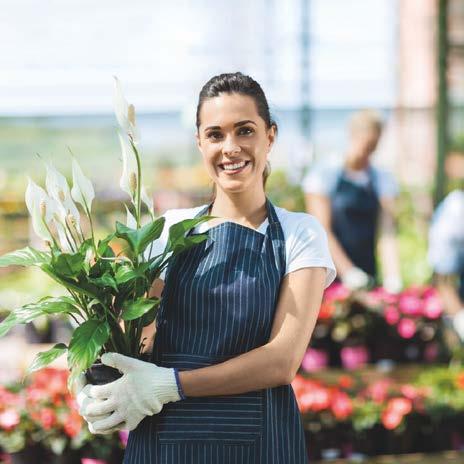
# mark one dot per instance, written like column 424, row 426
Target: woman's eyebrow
column 237, row 124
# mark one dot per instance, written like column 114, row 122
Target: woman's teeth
column 233, row 167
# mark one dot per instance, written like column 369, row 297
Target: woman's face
column 363, row 143
column 234, row 142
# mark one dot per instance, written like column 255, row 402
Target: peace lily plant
column 107, row 293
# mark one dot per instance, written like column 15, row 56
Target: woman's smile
column 234, row 168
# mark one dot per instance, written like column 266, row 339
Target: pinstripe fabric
column 219, row 301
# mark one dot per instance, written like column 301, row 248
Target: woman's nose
column 230, row 145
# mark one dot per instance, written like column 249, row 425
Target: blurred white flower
column 129, row 178
column 148, row 200
column 36, row 203
column 82, row 190
column 130, row 219
column 125, row 113
column 57, row 188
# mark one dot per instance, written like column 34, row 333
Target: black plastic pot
column 101, row 374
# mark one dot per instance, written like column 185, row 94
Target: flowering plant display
column 355, row 328
column 43, row 412
column 339, row 408
column 108, row 292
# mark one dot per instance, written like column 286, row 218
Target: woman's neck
column 247, row 209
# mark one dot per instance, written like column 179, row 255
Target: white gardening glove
column 142, row 391
column 393, row 284
column 83, row 401
column 355, row 278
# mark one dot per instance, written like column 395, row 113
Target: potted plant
column 108, row 293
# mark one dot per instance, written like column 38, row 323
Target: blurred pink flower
column 336, row 292
column 391, row 419
column 433, row 307
column 392, row 315
column 315, row 360
column 400, row 405
column 406, row 328
column 124, row 436
column 9, row 419
column 353, row 357
column 410, row 305
column 378, row 390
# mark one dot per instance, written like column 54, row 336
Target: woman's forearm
column 254, row 370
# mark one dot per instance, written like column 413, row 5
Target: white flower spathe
column 130, row 219
column 125, row 113
column 82, row 190
column 36, row 203
column 147, row 199
column 58, row 189
column 129, row 168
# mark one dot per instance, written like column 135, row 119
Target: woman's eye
column 245, row 131
column 214, row 135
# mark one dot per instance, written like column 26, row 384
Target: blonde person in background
column 446, row 256
column 355, row 202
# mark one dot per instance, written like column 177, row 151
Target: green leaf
column 149, row 316
column 134, row 309
column 124, row 274
column 139, row 239
column 68, row 265
column 80, row 288
column 86, row 343
column 31, row 311
column 44, row 358
column 106, row 280
column 177, row 241
column 7, row 324
column 24, row 257
column 103, row 246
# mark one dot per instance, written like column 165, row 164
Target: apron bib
column 355, row 211
column 218, row 302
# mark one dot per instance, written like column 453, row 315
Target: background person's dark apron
column 219, row 301
column 355, row 211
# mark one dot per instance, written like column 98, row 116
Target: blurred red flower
column 341, row 406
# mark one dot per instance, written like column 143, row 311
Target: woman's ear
column 197, row 137
column 271, row 134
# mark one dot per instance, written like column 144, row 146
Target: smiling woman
column 237, row 312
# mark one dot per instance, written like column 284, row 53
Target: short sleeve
column 386, row 184
column 172, row 216
column 307, row 246
column 320, row 180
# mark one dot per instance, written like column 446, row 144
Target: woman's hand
column 142, row 391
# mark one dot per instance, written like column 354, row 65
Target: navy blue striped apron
column 355, row 211
column 218, row 302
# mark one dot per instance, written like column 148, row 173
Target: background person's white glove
column 142, row 391
column 355, row 278
column 393, row 284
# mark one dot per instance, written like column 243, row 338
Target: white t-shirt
column 322, row 179
column 305, row 239
column 446, row 235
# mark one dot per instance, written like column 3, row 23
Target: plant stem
column 87, row 211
